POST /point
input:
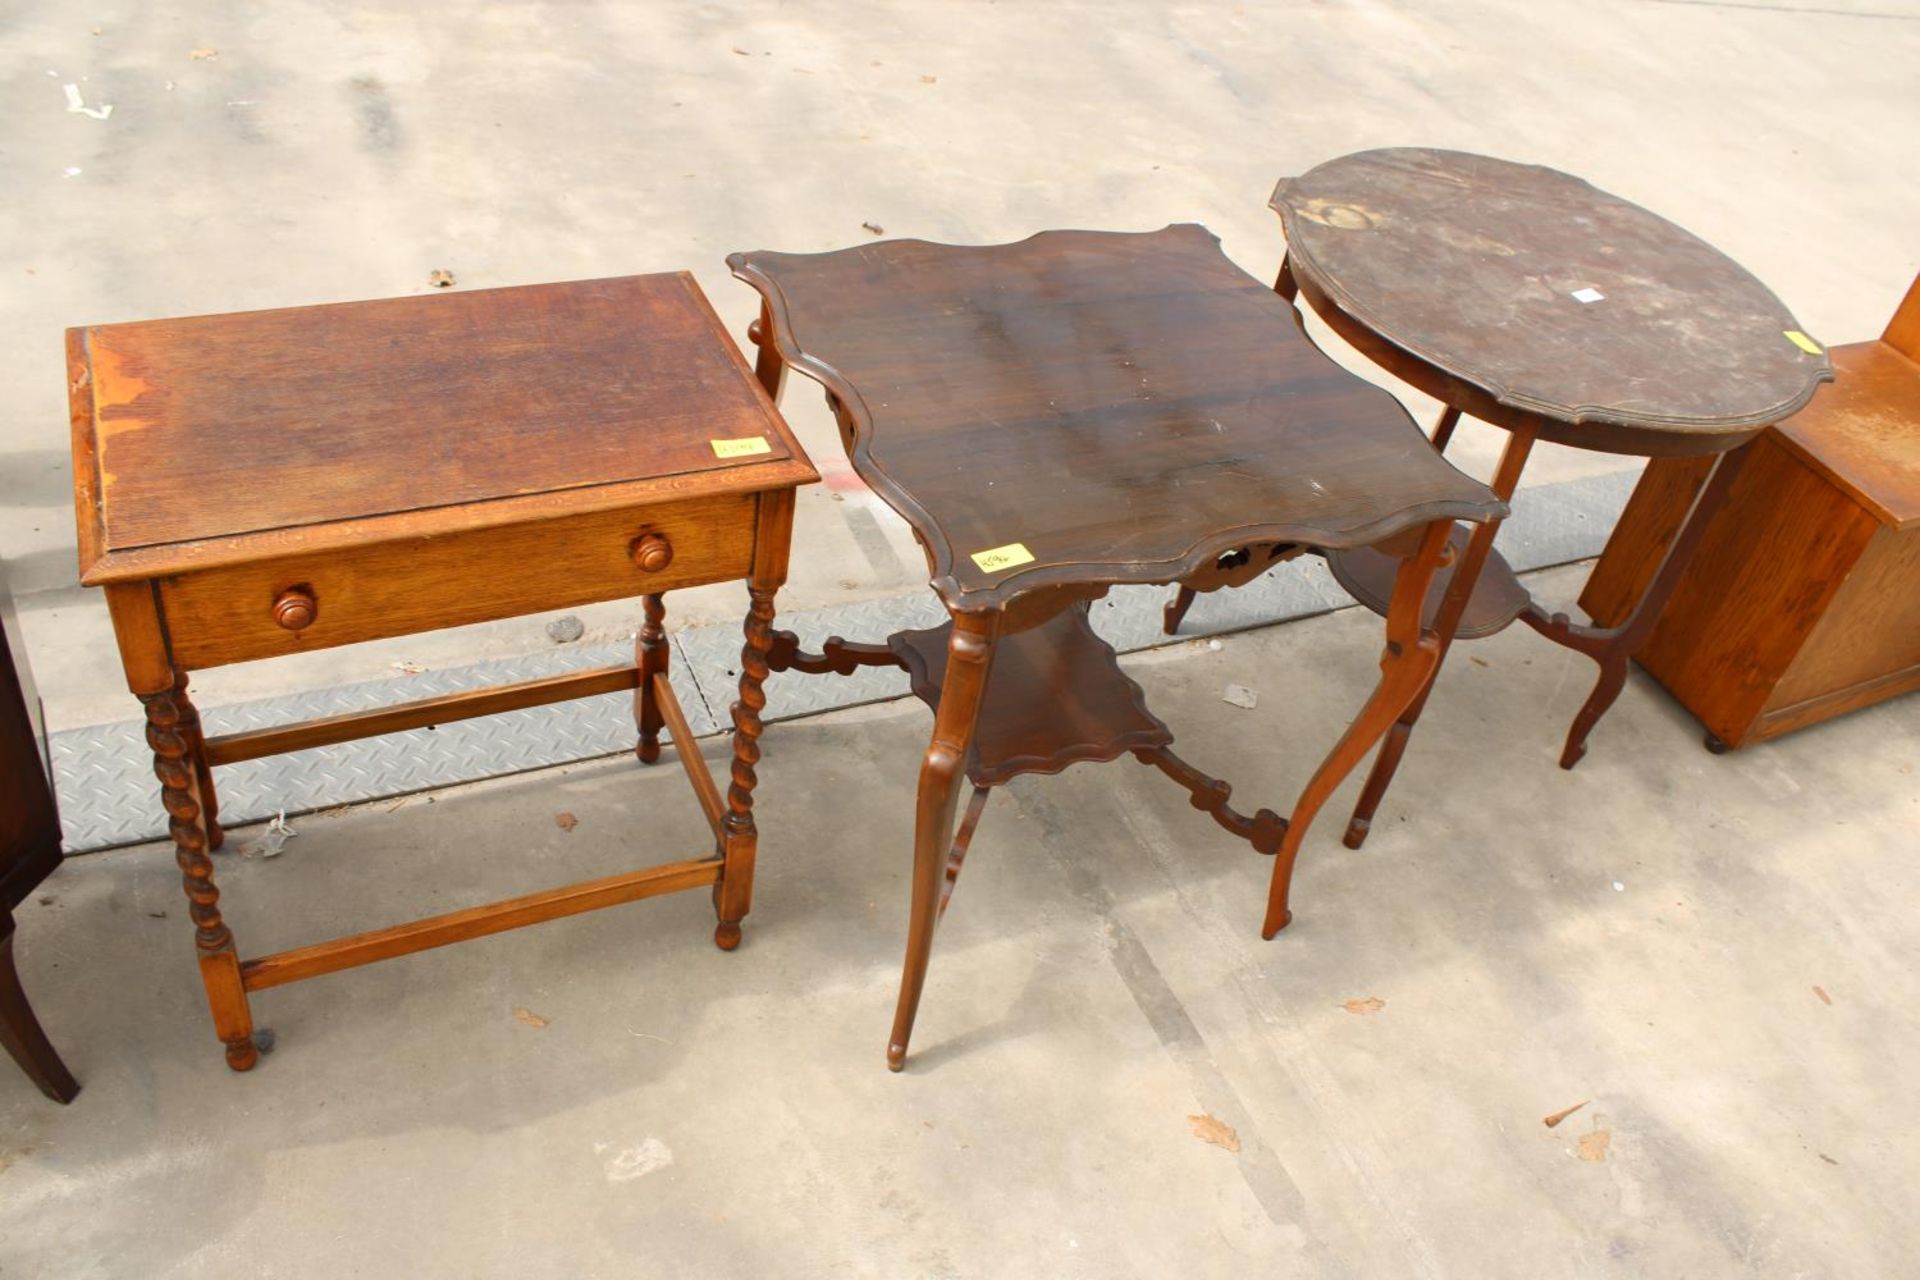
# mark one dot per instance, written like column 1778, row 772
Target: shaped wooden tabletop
column 1095, row 407
column 1550, row 295
column 203, row 439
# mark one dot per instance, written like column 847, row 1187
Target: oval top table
column 1528, row 299
column 1070, row 412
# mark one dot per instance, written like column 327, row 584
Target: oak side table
column 274, row 482
column 1530, row 300
column 1070, row 412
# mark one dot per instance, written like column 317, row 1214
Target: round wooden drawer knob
column 652, row 552
column 295, row 608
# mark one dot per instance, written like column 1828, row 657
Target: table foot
column 1713, row 743
column 733, row 895
column 650, row 653
column 173, row 764
column 21, row 1033
column 969, row 658
column 1356, row 834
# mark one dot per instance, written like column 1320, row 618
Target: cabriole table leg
column 962, row 693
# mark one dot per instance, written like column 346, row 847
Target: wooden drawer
column 403, row 587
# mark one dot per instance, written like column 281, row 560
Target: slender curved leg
column 1408, row 663
column 1443, row 429
column 1176, row 610
column 1613, row 648
column 733, row 895
column 969, row 658
column 650, row 654
column 173, row 764
column 20, row 1031
column 202, row 771
column 1513, row 459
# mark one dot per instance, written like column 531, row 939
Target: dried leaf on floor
column 1822, row 993
column 1593, row 1146
column 204, row 55
column 440, row 279
column 565, row 821
column 743, row 53
column 875, row 227
column 531, row 1018
column 1479, row 661
column 1219, row 1133
column 929, row 79
column 1365, row 1008
column 1558, row 1116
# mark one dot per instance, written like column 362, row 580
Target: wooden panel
column 216, row 426
column 422, row 584
column 1863, row 432
column 1903, row 331
column 1871, row 628
column 1763, row 575
column 1640, row 538
column 1828, row 705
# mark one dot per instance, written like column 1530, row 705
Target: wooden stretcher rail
column 704, row 787
column 230, row 748
column 475, row 922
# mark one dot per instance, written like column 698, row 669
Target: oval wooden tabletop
column 1552, row 296
column 1095, row 407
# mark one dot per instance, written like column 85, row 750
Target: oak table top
column 218, row 439
column 1069, row 412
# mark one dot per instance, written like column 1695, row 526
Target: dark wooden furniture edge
column 1484, row 386
column 1197, row 557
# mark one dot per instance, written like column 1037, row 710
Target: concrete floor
column 1652, row 934
column 328, row 152
column 685, row 1112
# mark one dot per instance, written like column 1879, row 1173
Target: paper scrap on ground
column 650, row 1156
column 76, row 103
column 1588, row 295
column 272, row 841
column 1238, row 695
column 1219, row 1133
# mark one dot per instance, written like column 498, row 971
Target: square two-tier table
column 1528, row 299
column 1061, row 415
column 275, row 482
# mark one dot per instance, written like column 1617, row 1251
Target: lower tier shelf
column 1498, row 598
column 1055, row 696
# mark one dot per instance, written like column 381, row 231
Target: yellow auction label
column 1007, row 557
column 1802, row 341
column 745, row 446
